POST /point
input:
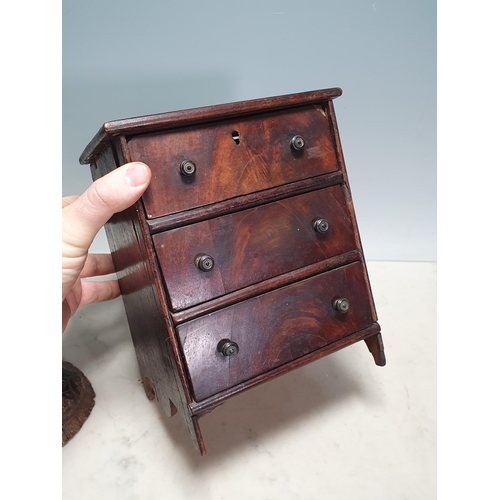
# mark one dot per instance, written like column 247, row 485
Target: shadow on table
column 248, row 420
column 276, row 407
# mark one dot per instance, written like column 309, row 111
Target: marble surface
column 338, row 428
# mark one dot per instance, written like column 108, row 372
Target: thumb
column 108, row 195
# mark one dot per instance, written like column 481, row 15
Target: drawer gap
column 265, row 286
column 243, row 202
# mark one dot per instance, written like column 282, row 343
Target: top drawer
column 233, row 158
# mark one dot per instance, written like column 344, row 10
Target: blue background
column 130, row 58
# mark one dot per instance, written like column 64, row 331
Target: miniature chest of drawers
column 242, row 260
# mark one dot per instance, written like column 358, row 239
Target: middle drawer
column 209, row 259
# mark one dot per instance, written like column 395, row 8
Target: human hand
column 83, row 217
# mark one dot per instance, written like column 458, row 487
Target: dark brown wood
column 77, row 400
column 251, row 206
column 243, row 202
column 376, row 347
column 137, row 288
column 139, row 281
column 174, row 380
column 209, row 404
column 273, row 329
column 348, row 195
column 265, row 286
column 252, row 245
column 174, row 119
column 262, row 158
column 149, row 388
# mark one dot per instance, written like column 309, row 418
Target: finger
column 71, row 303
column 99, row 291
column 68, row 200
column 97, row 264
column 66, row 314
column 108, row 195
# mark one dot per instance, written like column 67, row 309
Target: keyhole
column 236, row 137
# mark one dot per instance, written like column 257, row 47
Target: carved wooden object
column 242, row 261
column 77, row 400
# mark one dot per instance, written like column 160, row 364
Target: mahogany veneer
column 242, row 260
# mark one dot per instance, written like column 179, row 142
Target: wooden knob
column 341, row 305
column 321, row 225
column 297, row 143
column 204, row 263
column 188, row 168
column 228, row 348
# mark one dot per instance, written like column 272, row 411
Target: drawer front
column 253, row 245
column 233, row 158
column 273, row 329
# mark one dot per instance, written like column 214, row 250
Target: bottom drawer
column 247, row 339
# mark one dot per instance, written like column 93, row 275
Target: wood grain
column 252, row 245
column 250, row 205
column 263, row 158
column 141, row 289
column 243, row 202
column 182, row 118
column 207, row 405
column 265, row 286
column 347, row 190
column 273, row 329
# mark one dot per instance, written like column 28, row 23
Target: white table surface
column 340, row 428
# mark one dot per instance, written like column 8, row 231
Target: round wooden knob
column 341, row 305
column 204, row 263
column 228, row 348
column 188, row 168
column 297, row 143
column 321, row 225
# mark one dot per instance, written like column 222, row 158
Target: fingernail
column 137, row 175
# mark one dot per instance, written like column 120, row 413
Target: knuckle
column 97, row 197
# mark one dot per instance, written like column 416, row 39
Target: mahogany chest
column 242, row 260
